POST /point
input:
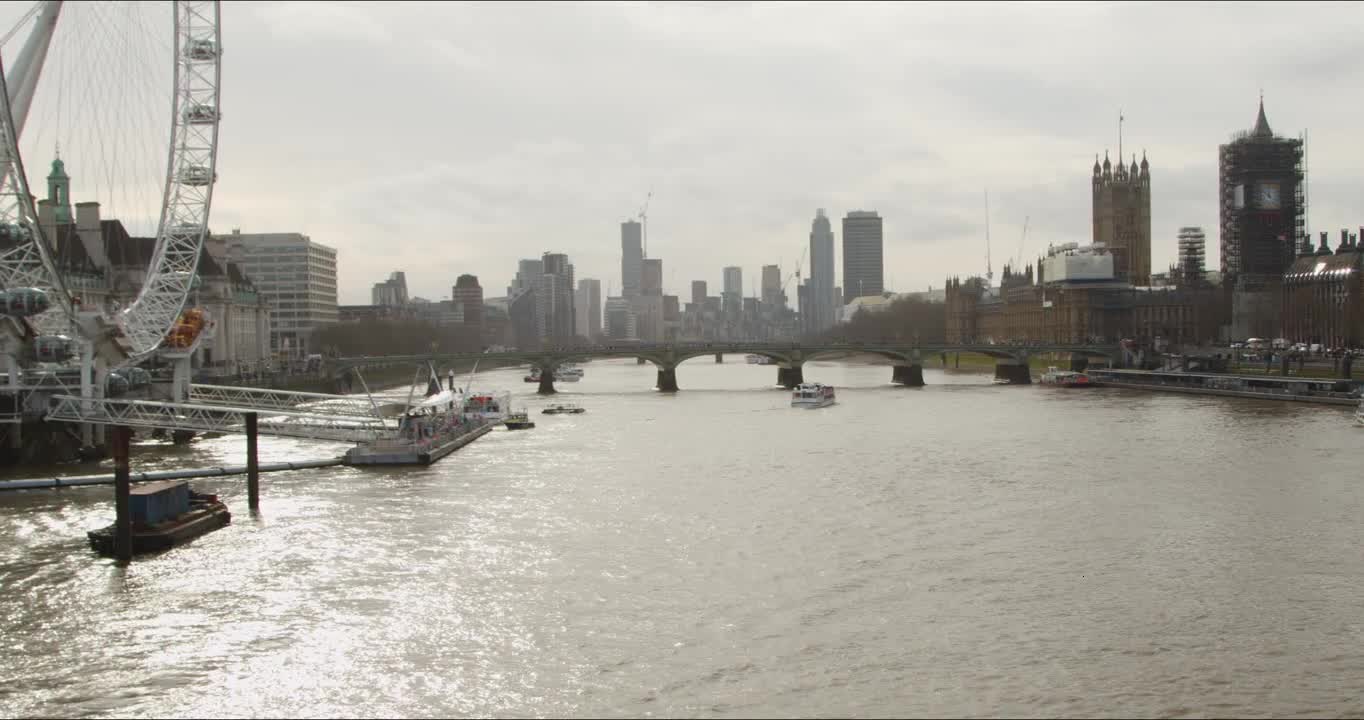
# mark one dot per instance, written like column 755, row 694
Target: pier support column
column 908, row 375
column 252, row 464
column 1013, row 372
column 1080, row 363
column 1346, row 366
column 719, row 358
column 790, row 377
column 546, row 381
column 16, row 435
column 956, row 361
column 667, row 380
column 123, row 514
column 640, row 361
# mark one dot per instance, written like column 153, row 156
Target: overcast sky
column 441, row 139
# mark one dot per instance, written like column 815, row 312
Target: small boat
column 758, row 359
column 812, row 395
column 1066, row 378
column 564, row 409
column 518, row 421
column 489, row 406
column 164, row 514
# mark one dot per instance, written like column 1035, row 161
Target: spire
column 1261, row 124
column 1145, row 166
column 1096, row 163
column 1134, row 164
column 1107, row 165
column 59, row 191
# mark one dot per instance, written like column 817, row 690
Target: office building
column 863, row 246
column 468, row 298
column 555, row 298
column 698, row 292
column 620, row 319
column 771, row 287
column 588, row 306
column 297, row 277
column 391, row 292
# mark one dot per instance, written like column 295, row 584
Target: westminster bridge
column 1011, row 361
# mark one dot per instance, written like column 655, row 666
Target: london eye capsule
column 14, row 234
column 53, row 348
column 197, row 175
column 137, row 377
column 116, row 384
column 202, row 49
column 24, row 302
column 201, row 113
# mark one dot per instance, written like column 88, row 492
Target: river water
column 957, row 550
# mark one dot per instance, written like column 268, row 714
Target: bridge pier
column 1080, row 363
column 790, row 377
column 1013, row 372
column 719, row 358
column 640, row 361
column 908, row 375
column 546, row 381
column 667, row 380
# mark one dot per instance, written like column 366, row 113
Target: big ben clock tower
column 1262, row 210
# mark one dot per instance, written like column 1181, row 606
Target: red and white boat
column 1066, row 378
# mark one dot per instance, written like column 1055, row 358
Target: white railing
column 199, row 417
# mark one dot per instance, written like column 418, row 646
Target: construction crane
column 796, row 274
column 644, row 220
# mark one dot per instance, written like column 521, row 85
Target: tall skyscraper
column 698, row 292
column 771, row 287
column 556, row 298
column 468, row 296
column 820, row 297
column 734, row 281
column 1122, row 217
column 631, row 258
column 588, row 306
column 1263, row 213
column 863, row 269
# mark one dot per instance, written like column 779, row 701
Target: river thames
column 961, row 549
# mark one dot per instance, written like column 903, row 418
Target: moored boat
column 164, row 514
column 1066, row 378
column 518, row 421
column 564, row 409
column 812, row 395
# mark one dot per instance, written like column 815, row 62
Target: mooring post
column 123, row 515
column 252, row 464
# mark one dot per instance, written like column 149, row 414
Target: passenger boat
column 564, row 409
column 1066, row 378
column 164, row 514
column 812, row 395
column 489, row 406
column 518, row 421
column 758, row 359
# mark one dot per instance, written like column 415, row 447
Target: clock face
column 1268, row 195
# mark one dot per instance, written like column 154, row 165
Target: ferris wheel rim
column 191, row 176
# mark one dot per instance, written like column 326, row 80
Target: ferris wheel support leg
column 87, row 391
column 16, row 436
column 180, row 381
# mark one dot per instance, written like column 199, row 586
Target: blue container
column 152, row 503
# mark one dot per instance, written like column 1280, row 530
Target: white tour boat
column 812, row 395
column 1066, row 378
